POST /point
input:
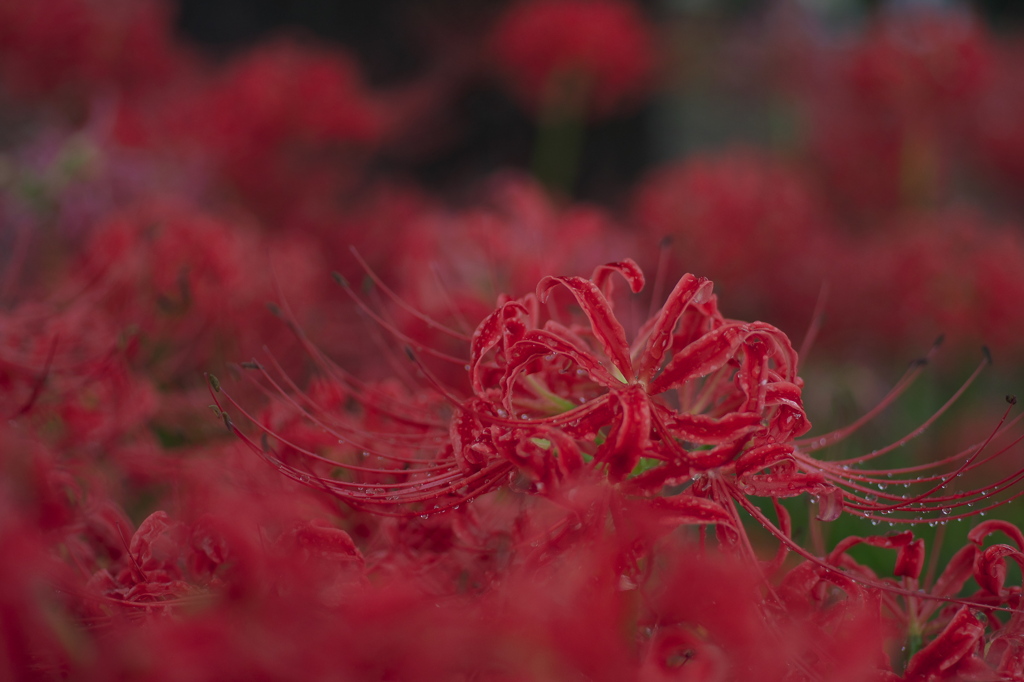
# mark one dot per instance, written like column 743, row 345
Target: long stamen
column 817, row 319
column 391, row 328
column 877, row 584
column 882, row 506
column 401, row 303
column 924, row 425
column 812, row 444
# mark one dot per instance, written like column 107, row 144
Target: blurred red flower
column 598, row 54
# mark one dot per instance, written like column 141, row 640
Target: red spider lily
column 711, row 620
column 286, row 122
column 947, row 638
column 700, row 407
column 956, row 272
column 76, row 47
column 727, row 389
column 157, row 271
column 697, row 400
column 65, row 369
column 788, row 239
column 884, row 123
column 506, row 244
column 998, row 136
column 694, row 394
column 599, row 52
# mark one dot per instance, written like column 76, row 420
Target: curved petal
column 689, row 289
column 707, row 430
column 954, row 644
column 598, row 310
column 630, row 271
column 830, row 504
column 978, row 534
column 700, row 358
column 471, row 446
column 990, row 567
column 783, row 486
column 898, row 541
column 630, row 435
column 488, row 335
column 957, row 572
column 691, row 510
column 762, row 457
column 540, row 343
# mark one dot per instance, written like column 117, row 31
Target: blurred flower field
column 611, row 341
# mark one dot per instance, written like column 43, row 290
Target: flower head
column 599, row 50
column 693, row 392
column 694, row 400
column 692, row 417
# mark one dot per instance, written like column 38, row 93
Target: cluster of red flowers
column 901, row 179
column 489, row 448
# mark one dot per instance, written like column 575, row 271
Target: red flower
column 690, row 376
column 708, row 204
column 695, row 399
column 76, row 47
column 284, row 122
column 928, row 610
column 600, row 51
column 699, row 407
column 883, row 127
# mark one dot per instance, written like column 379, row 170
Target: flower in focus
column 696, row 402
column 693, row 417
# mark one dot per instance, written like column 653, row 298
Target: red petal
column 627, row 268
column 986, row 528
column 630, row 436
column 830, row 504
column 910, row 560
column 789, row 485
column 320, row 537
column 700, row 358
column 597, row 309
column 539, row 343
column 762, row 457
column 688, row 509
column 689, row 289
column 957, row 572
column 894, row 541
column 717, row 456
column 956, row 642
column 990, row 567
column 487, row 335
column 705, row 430
column 467, row 436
